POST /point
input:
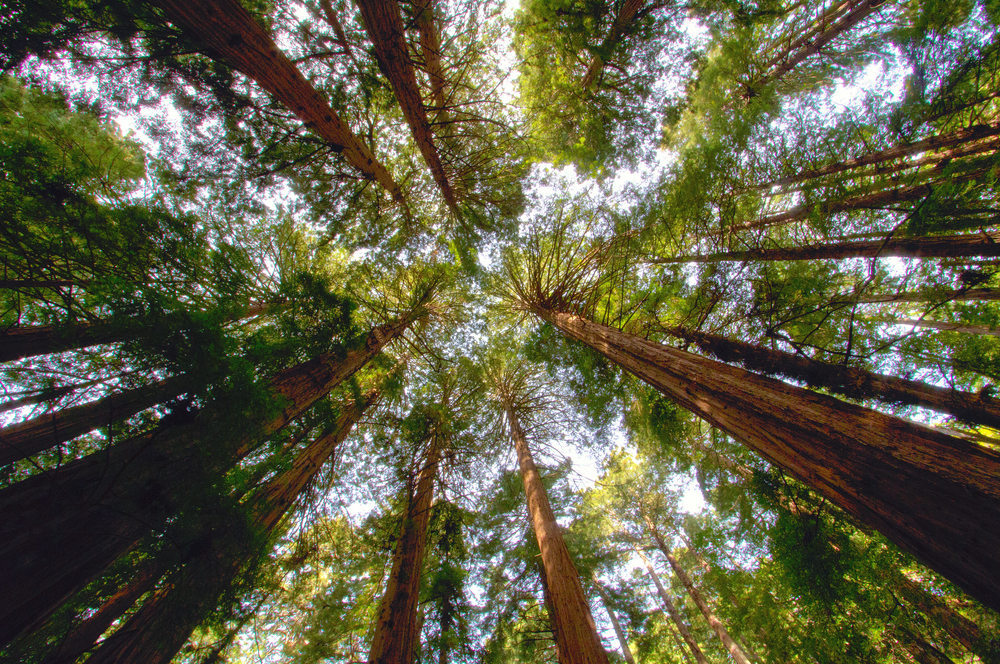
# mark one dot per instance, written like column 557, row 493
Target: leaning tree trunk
column 48, row 394
column 60, row 529
column 384, row 25
column 959, row 295
column 28, row 438
column 577, row 641
column 931, row 494
column 964, row 328
column 619, row 632
column 231, row 34
column 848, row 381
column 675, row 615
column 720, row 630
column 155, row 633
column 914, row 247
column 397, row 636
column 623, row 21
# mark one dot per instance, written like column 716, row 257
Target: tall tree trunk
column 960, row 628
column 918, row 647
column 848, row 381
column 720, row 630
column 155, row 633
column 48, row 394
column 28, row 438
column 384, row 25
column 675, row 615
column 430, row 50
column 619, row 632
column 964, row 328
column 970, row 135
column 959, row 295
column 60, row 529
column 576, row 635
column 331, row 17
column 623, row 21
column 933, row 495
column 915, row 247
column 232, row 35
column 397, row 637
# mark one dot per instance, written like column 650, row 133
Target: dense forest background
column 414, row 331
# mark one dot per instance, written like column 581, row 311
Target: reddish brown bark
column 156, row 632
column 430, row 50
column 397, row 637
column 28, row 438
column 675, row 615
column 58, row 530
column 623, row 20
column 232, row 35
column 931, row 494
column 577, row 641
column 331, row 17
column 915, row 247
column 848, row 381
column 384, row 25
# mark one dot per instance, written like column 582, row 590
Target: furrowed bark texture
column 931, row 494
column 384, row 25
column 397, row 634
column 619, row 632
column 25, row 439
column 958, row 246
column 675, row 616
column 232, row 35
column 573, row 625
column 626, row 15
column 60, row 529
column 848, row 381
column 157, row 632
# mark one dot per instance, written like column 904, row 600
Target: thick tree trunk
column 397, row 637
column 60, row 529
column 973, row 135
column 624, row 19
column 232, row 35
column 619, row 632
column 384, row 25
column 155, row 633
column 931, row 494
column 848, row 381
column 915, row 247
column 28, row 438
column 720, row 630
column 675, row 615
column 576, row 635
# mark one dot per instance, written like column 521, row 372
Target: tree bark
column 623, row 21
column 577, row 641
column 28, row 438
column 155, row 633
column 675, row 615
column 964, row 328
column 619, row 632
column 933, row 495
column 232, row 35
column 848, row 381
column 49, row 394
column 921, row 651
column 60, row 529
column 720, row 630
column 915, row 247
column 959, row 295
column 397, row 637
column 384, row 25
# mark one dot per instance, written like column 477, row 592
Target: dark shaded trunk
column 848, row 381
column 577, row 641
column 921, row 651
column 28, row 438
column 397, row 634
column 619, row 632
column 973, row 135
column 914, row 247
column 155, row 633
column 384, row 25
column 232, row 35
column 623, row 21
column 675, row 615
column 931, row 494
column 60, row 529
column 50, row 394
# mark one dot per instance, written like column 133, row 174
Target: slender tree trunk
column 331, row 17
column 576, row 635
column 720, row 630
column 232, row 35
column 397, row 637
column 155, row 633
column 915, row 247
column 918, row 647
column 675, row 615
column 973, row 135
column 848, row 381
column 60, row 529
column 50, row 394
column 964, row 328
column 619, row 632
column 959, row 295
column 28, row 438
column 623, row 21
column 430, row 50
column 933, row 495
column 384, row 25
